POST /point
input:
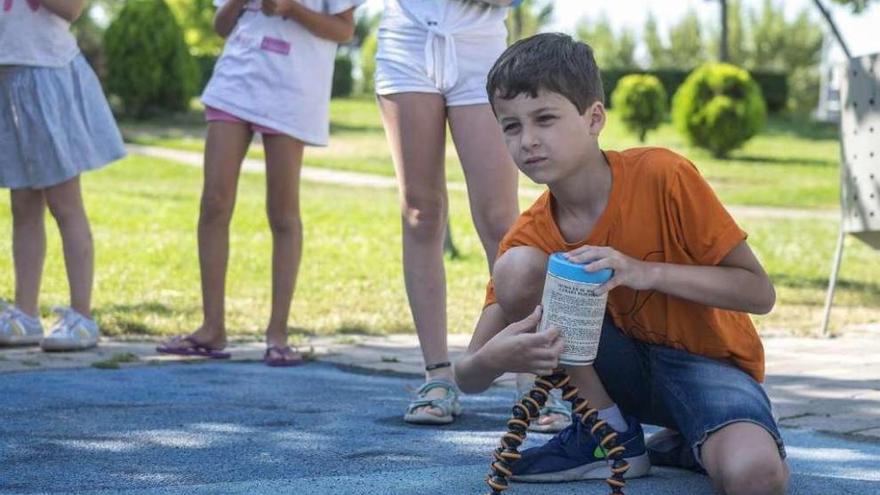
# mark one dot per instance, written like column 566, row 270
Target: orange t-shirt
column 660, row 209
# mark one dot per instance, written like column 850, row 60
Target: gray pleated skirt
column 55, row 123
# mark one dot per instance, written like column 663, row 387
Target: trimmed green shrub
column 640, row 100
column 774, row 85
column 368, row 63
column 343, row 83
column 719, row 107
column 149, row 66
column 670, row 78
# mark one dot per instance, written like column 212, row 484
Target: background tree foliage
column 528, row 19
column 613, row 49
column 857, row 6
column 763, row 39
column 196, row 18
column 684, row 48
column 149, row 65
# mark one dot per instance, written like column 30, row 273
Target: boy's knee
column 762, row 474
column 518, row 276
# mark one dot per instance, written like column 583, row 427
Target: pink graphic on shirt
column 275, row 45
column 33, row 4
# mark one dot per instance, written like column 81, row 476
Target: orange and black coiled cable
column 529, row 407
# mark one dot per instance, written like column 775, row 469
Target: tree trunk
column 724, row 54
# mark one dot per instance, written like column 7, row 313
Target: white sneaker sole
column 66, row 345
column 14, row 341
column 599, row 470
column 20, row 341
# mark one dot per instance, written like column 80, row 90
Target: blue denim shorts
column 686, row 392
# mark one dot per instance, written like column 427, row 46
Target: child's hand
column 519, row 349
column 277, row 7
column 628, row 271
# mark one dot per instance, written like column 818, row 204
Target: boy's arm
column 737, row 283
column 227, row 16
column 334, row 27
column 69, row 10
column 497, row 348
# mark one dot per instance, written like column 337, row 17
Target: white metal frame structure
column 859, row 161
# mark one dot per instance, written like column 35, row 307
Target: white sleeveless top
column 32, row 35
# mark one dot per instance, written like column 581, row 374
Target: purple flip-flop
column 283, row 361
column 195, row 349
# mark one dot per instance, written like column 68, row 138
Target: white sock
column 614, row 418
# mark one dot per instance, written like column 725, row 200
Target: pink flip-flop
column 194, row 349
column 284, row 361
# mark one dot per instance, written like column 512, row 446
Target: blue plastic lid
column 563, row 268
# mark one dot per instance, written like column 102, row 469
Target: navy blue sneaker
column 574, row 455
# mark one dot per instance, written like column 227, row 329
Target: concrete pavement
column 241, row 427
column 826, row 385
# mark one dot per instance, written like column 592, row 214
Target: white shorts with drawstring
column 419, row 61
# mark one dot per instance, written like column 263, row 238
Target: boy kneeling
column 677, row 348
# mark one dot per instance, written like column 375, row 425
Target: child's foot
column 436, row 403
column 556, row 413
column 278, row 353
column 72, row 332
column 19, row 328
column 574, row 454
column 282, row 357
column 202, row 342
column 554, row 417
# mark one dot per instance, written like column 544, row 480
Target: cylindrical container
column 571, row 305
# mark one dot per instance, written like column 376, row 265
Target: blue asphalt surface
column 246, row 428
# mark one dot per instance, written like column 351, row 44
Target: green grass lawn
column 144, row 214
column 791, row 164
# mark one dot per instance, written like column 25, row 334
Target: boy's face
column 546, row 136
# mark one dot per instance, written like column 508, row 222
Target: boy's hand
column 277, row 7
column 517, row 348
column 628, row 271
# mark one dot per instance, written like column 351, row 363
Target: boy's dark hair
column 549, row 61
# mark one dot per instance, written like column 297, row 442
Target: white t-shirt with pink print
column 32, row 35
column 275, row 73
